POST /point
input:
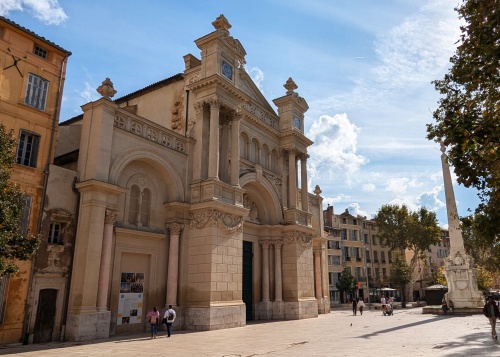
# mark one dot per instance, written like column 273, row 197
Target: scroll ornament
column 214, row 218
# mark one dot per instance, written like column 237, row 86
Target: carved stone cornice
column 174, row 228
column 110, row 217
column 303, row 239
column 213, row 218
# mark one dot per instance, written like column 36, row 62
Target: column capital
column 174, row 228
column 265, row 243
column 110, row 216
column 277, row 243
column 214, row 102
column 237, row 115
column 303, row 156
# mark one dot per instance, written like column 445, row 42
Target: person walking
column 154, row 319
column 361, row 305
column 444, row 305
column 169, row 317
column 382, row 303
column 354, row 306
column 490, row 310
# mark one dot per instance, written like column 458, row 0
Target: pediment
column 247, row 86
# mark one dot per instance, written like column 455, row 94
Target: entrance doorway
column 45, row 316
column 247, row 279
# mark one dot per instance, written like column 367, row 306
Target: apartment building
column 32, row 72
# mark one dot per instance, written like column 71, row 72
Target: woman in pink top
column 154, row 319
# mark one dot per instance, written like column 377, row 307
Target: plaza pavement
column 407, row 333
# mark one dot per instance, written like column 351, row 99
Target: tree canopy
column 468, row 116
column 13, row 244
column 400, row 273
column 402, row 229
column 346, row 283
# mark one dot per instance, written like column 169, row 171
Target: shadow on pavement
column 400, row 327
column 478, row 343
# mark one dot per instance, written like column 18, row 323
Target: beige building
column 32, row 72
column 353, row 244
column 435, row 256
column 188, row 194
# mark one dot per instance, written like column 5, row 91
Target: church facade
column 186, row 193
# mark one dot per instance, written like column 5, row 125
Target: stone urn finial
column 221, row 23
column 290, row 86
column 106, row 89
column 317, row 190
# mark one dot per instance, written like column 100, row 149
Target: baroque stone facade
column 189, row 195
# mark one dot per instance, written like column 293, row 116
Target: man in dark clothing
column 354, row 306
column 490, row 310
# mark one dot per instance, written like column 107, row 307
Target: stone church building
column 190, row 192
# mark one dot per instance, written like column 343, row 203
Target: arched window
column 274, row 160
column 254, row 151
column 145, row 207
column 265, row 156
column 133, row 204
column 243, row 146
column 139, row 208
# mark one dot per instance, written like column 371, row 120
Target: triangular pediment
column 247, row 86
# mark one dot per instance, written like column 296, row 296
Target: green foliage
column 401, row 229
column 400, row 270
column 437, row 276
column 468, row 114
column 484, row 279
column 13, row 245
column 481, row 238
column 346, row 282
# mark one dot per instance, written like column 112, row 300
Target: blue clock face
column 296, row 122
column 227, row 70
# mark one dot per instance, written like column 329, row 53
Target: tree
column 468, row 114
column 484, row 279
column 400, row 274
column 14, row 245
column 401, row 229
column 437, row 276
column 346, row 283
column 481, row 241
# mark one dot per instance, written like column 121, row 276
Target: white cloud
column 400, row 185
column 332, row 200
column 334, row 149
column 368, row 187
column 47, row 11
column 257, row 76
column 355, row 210
column 88, row 93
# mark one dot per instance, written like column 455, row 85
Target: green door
column 247, row 278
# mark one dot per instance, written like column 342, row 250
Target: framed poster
column 130, row 302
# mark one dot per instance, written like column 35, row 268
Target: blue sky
column 365, row 68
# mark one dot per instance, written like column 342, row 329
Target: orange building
column 32, row 72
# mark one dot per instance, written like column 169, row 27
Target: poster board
column 130, row 302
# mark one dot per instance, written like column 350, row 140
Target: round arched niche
column 261, row 200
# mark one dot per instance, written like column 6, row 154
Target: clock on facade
column 296, row 122
column 227, row 70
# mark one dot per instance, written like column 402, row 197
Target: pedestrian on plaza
column 382, row 302
column 354, row 306
column 154, row 320
column 451, row 306
column 490, row 310
column 361, row 305
column 444, row 305
column 169, row 318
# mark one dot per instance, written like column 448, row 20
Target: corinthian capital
column 175, row 228
column 110, row 217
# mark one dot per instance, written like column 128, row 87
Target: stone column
column 235, row 148
column 317, row 274
column 265, row 270
column 213, row 149
column 104, row 272
column 292, row 178
column 173, row 264
column 198, row 133
column 303, row 179
column 278, row 294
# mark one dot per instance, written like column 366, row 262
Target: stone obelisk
column 460, row 273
